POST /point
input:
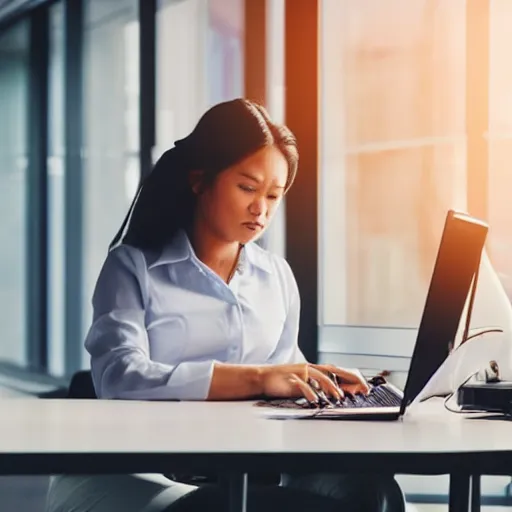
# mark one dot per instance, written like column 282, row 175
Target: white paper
column 467, row 359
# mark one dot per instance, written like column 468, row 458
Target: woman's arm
column 118, row 341
column 236, row 382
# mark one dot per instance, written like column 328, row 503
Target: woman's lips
column 253, row 226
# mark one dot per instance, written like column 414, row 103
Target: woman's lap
column 352, row 491
column 271, row 498
column 155, row 493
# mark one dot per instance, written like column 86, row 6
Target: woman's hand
column 296, row 380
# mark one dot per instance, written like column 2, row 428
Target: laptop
column 453, row 279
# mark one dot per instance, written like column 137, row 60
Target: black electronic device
column 486, row 397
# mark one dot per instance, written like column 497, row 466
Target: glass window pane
column 199, row 49
column 399, row 198
column 392, row 153
column 275, row 238
column 14, row 80
column 111, row 124
column 56, row 177
column 225, row 50
column 500, row 215
column 500, row 142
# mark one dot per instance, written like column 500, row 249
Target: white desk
column 99, row 436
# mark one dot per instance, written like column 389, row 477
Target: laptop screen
column 457, row 262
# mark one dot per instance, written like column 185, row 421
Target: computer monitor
column 455, row 271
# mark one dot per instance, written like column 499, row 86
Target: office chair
column 81, row 386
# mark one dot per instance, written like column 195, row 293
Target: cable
column 497, row 329
column 460, row 411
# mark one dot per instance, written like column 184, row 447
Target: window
column 111, row 123
column 225, row 50
column 275, row 238
column 181, row 94
column 393, row 153
column 199, row 59
column 14, row 80
column 56, row 177
column 500, row 142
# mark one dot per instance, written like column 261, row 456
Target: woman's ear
column 196, row 181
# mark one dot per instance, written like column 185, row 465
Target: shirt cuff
column 191, row 381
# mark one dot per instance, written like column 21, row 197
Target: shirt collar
column 258, row 257
column 180, row 249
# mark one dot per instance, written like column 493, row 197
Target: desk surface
column 57, row 435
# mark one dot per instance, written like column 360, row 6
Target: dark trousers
column 306, row 493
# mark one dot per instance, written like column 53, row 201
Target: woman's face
column 242, row 200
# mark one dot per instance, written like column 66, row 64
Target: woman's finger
column 326, row 384
column 304, row 388
column 346, row 376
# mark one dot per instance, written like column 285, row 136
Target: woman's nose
column 258, row 207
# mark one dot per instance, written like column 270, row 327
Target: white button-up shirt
column 161, row 321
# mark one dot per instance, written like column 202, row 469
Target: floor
column 444, row 508
column 23, row 494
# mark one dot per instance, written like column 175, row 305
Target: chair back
column 81, row 386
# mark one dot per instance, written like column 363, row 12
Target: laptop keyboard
column 379, row 396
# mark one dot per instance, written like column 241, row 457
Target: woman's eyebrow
column 256, row 179
column 250, row 176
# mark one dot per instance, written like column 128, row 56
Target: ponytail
column 164, row 203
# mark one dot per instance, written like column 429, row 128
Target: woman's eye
column 273, row 198
column 246, row 188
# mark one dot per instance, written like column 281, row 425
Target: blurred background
column 402, row 109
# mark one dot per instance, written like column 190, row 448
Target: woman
column 189, row 307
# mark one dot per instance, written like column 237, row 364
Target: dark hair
column 226, row 134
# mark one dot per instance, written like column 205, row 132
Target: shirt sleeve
column 118, row 340
column 287, row 350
